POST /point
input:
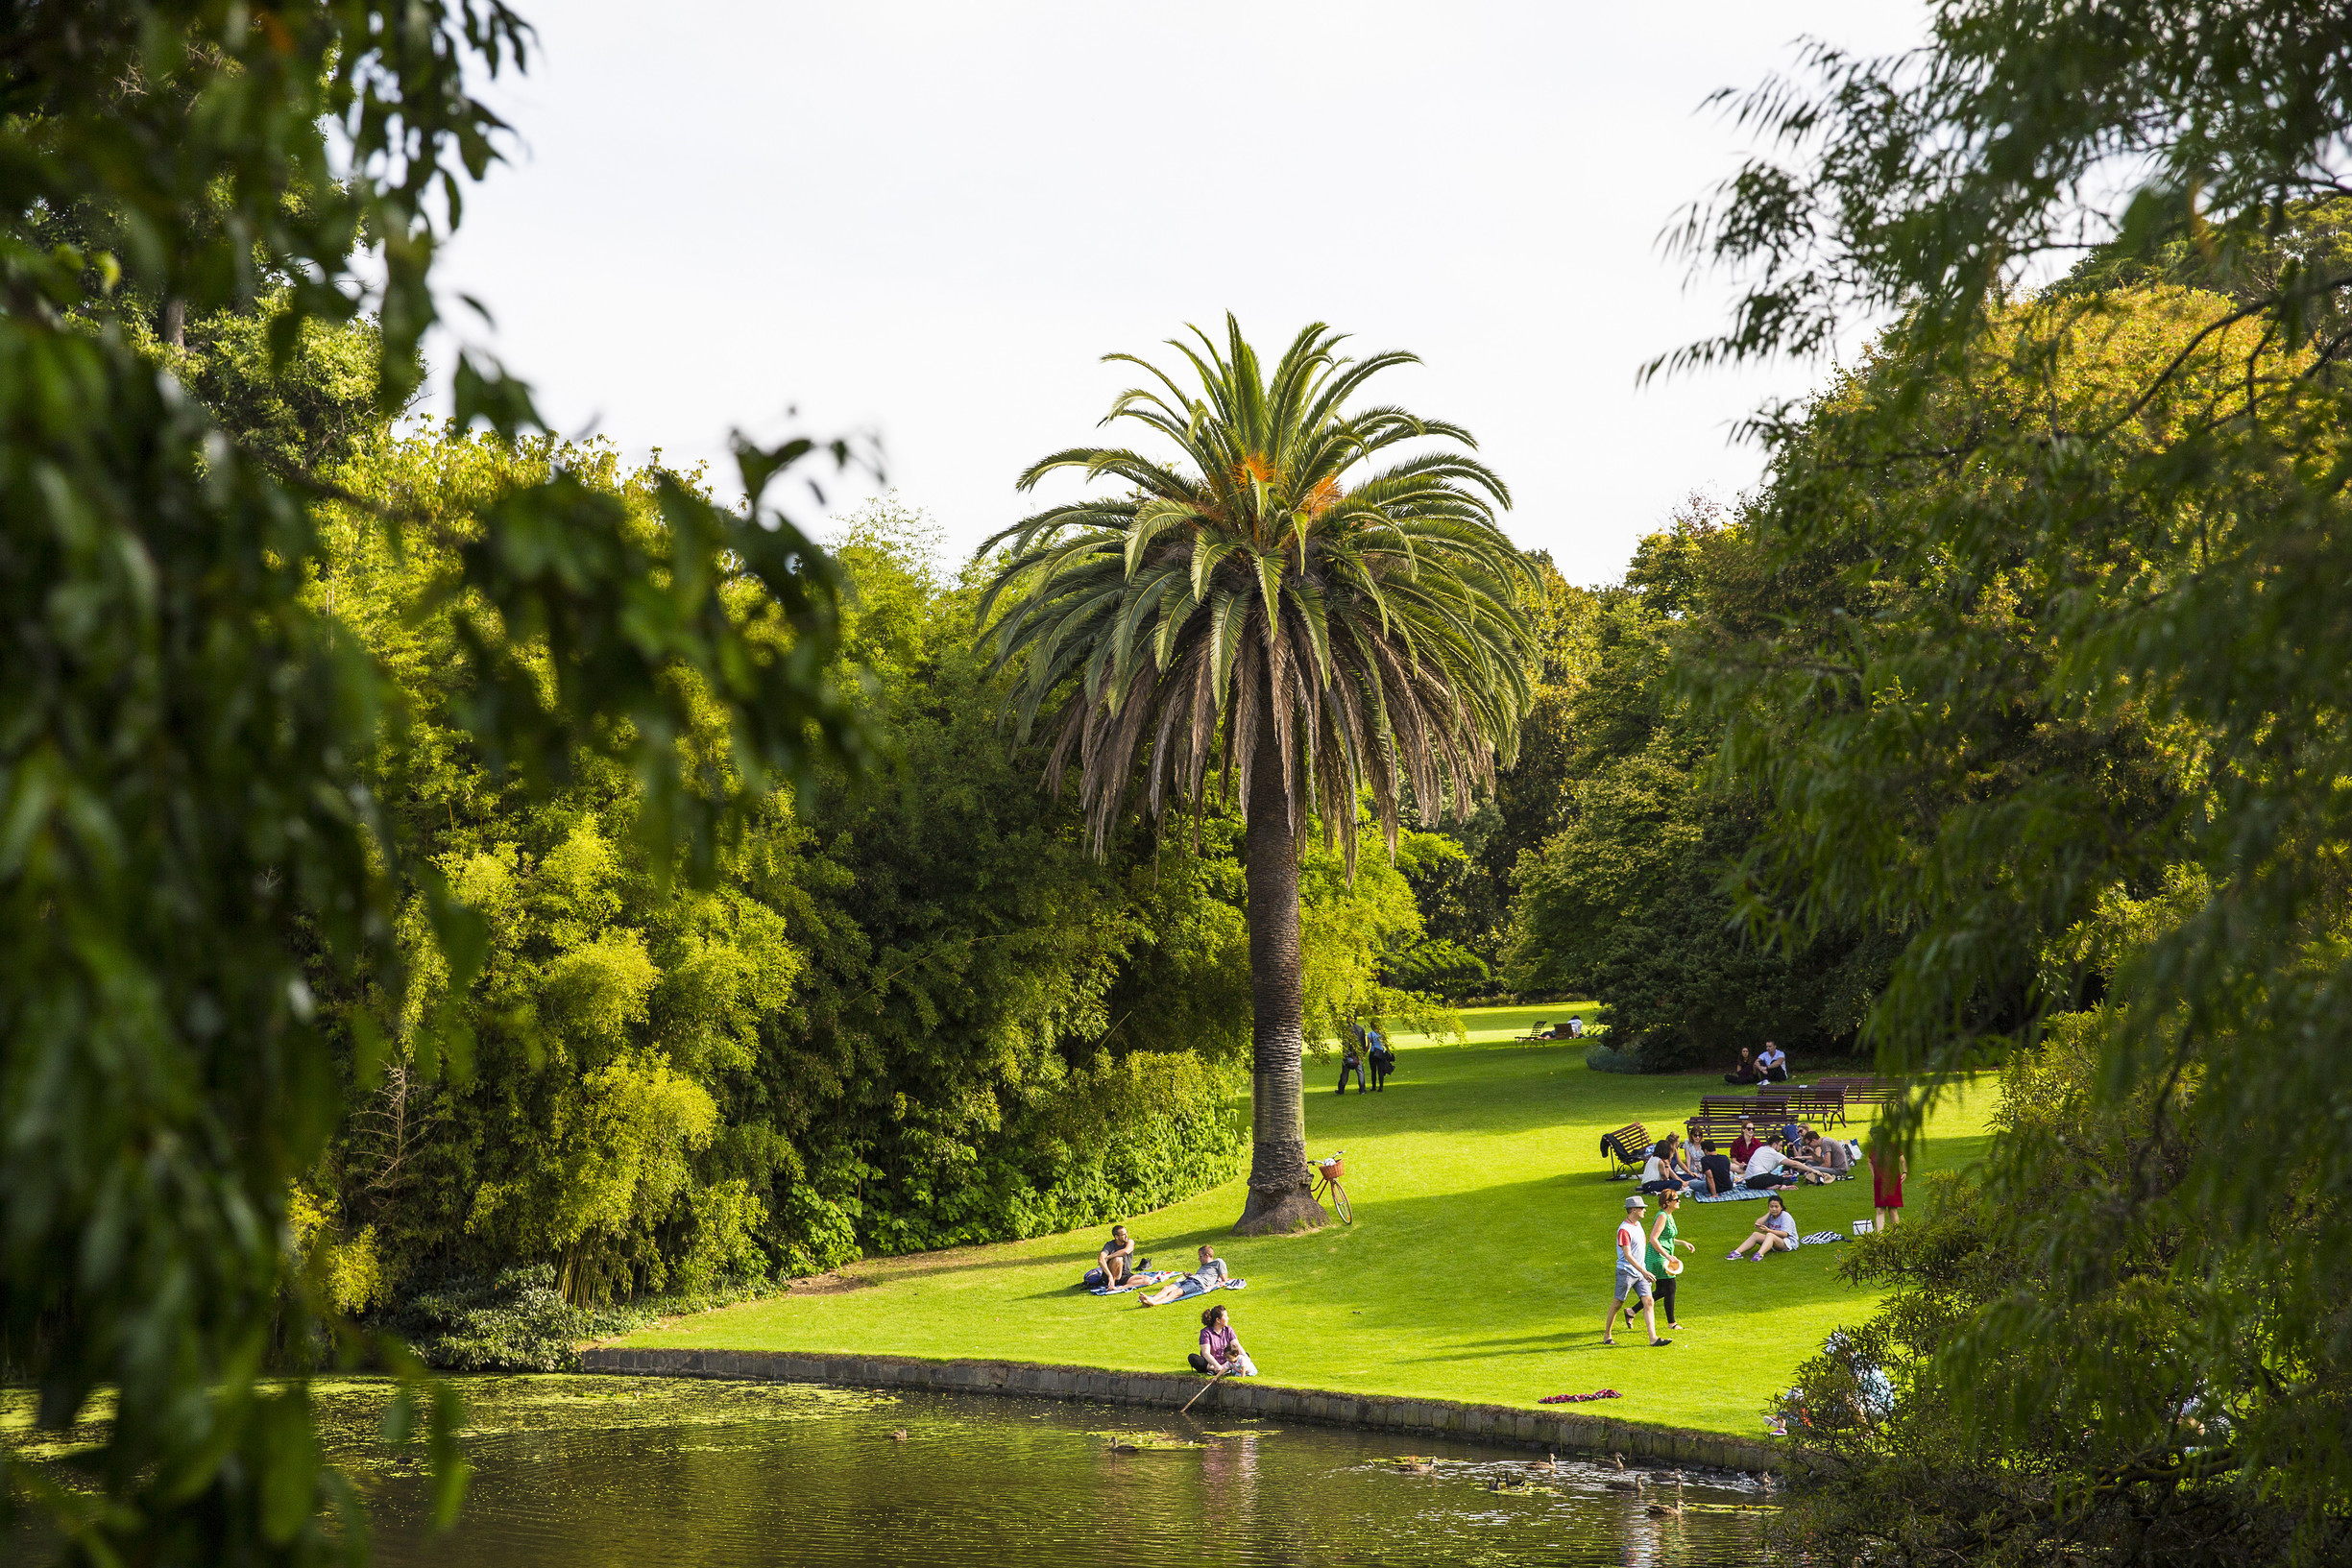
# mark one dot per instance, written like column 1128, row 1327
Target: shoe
column 1731, row 1257
column 1654, row 1343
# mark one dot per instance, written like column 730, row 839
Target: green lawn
column 1478, row 1268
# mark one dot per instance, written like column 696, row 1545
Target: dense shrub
column 1118, row 1139
column 519, row 1321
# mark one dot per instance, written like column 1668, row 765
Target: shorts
column 1630, row 1282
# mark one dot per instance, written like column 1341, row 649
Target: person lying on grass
column 1633, row 1276
column 1211, row 1274
column 1221, row 1348
column 1776, row 1232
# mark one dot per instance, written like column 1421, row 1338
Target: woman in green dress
column 1662, row 1245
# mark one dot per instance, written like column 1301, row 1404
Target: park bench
column 1736, row 1106
column 1868, row 1090
column 1625, row 1149
column 1720, row 1127
column 1807, row 1102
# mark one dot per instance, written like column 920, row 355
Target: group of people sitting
column 1782, row 1157
column 1118, row 1269
column 1769, row 1065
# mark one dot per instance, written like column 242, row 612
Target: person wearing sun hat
column 1633, row 1274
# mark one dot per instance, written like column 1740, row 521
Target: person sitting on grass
column 1116, row 1260
column 1632, row 1275
column 1771, row 1167
column 1775, row 1231
column 1715, row 1167
column 1221, row 1348
column 1831, row 1154
column 1208, row 1276
column 1746, row 1071
column 1773, row 1062
column 1657, row 1172
column 1745, row 1145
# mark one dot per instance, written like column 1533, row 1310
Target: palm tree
column 1250, row 607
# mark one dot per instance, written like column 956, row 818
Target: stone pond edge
column 1479, row 1423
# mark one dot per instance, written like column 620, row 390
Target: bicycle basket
column 1334, row 1168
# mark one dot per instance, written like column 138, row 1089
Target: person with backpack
column 1351, row 1060
column 1383, row 1059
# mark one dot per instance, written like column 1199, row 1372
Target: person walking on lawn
column 1662, row 1245
column 1632, row 1275
column 1351, row 1060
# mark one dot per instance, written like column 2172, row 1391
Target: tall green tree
column 2156, row 480
column 189, row 822
column 1270, row 608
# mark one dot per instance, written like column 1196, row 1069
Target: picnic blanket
column 1737, row 1194
column 1134, row 1281
column 1579, row 1399
column 1820, row 1236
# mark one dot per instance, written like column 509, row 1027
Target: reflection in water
column 593, row 1471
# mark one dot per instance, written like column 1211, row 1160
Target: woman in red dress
column 1888, row 1169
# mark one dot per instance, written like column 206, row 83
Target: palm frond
column 1269, row 591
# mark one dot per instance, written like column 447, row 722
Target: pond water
column 601, row 1472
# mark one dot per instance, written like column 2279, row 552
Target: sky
column 926, row 223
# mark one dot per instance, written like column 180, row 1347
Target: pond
column 586, row 1472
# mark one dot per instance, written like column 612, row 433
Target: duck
column 1616, row 1484
column 1118, row 1447
column 1412, row 1467
column 899, row 1437
column 1668, row 1511
column 1551, row 1461
column 1763, row 1479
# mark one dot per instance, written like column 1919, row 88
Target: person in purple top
column 1221, row 1348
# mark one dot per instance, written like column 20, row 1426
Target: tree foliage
column 880, row 1022
column 2150, row 474
column 190, row 832
column 1623, row 901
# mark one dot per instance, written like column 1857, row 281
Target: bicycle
column 1332, row 1169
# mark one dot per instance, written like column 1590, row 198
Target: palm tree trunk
column 1281, row 1192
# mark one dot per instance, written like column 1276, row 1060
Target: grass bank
column 1477, row 1270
